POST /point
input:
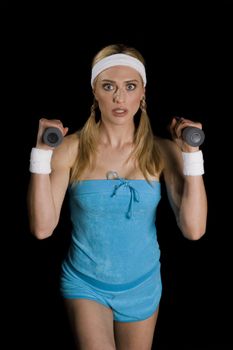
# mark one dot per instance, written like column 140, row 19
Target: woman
column 112, row 167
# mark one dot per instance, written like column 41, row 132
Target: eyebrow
column 113, row 81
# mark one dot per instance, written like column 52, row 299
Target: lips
column 119, row 112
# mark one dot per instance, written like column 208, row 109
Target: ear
column 94, row 94
column 144, row 94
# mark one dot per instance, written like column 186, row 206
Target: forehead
column 120, row 73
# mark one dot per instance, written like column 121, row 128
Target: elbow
column 41, row 232
column 42, row 235
column 42, row 229
column 193, row 233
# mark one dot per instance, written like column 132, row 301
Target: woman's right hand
column 43, row 125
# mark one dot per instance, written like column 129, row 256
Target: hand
column 176, row 127
column 44, row 124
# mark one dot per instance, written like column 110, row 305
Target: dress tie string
column 134, row 195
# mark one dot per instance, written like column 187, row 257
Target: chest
column 117, row 160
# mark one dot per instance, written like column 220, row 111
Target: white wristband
column 40, row 161
column 193, row 163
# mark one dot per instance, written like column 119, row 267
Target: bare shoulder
column 65, row 154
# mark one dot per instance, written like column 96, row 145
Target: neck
column 116, row 135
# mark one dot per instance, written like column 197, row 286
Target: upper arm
column 172, row 173
column 62, row 162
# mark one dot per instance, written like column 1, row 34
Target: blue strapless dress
column 114, row 241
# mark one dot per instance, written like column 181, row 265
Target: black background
column 46, row 55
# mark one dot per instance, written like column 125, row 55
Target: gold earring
column 143, row 103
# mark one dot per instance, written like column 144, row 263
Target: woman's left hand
column 176, row 127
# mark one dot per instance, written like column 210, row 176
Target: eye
column 108, row 87
column 131, row 86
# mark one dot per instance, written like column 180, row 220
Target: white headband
column 119, row 59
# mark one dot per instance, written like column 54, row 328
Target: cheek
column 103, row 98
column 103, row 103
column 135, row 101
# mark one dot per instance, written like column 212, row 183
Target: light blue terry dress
column 114, row 256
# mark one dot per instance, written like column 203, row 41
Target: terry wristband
column 193, row 163
column 40, row 161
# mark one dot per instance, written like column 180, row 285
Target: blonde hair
column 146, row 150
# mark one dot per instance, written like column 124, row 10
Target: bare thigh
column 135, row 335
column 92, row 324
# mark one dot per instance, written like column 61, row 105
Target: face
column 119, row 91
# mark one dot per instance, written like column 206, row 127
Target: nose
column 119, row 96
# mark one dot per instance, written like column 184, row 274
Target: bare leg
column 92, row 324
column 135, row 335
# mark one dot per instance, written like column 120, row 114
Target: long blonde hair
column 146, row 150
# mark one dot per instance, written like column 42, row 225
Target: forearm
column 192, row 214
column 43, row 217
column 184, row 172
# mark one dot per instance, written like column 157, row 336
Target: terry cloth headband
column 119, row 59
